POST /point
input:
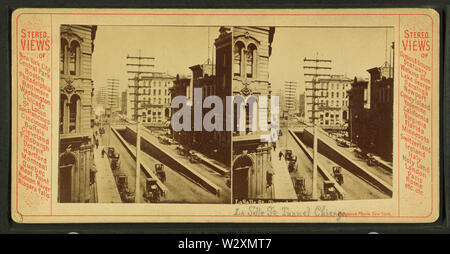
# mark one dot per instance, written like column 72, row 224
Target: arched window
column 62, row 56
column 74, row 114
column 250, row 61
column 238, row 48
column 63, row 115
column 74, row 55
column 67, row 164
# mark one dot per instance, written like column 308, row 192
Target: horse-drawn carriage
column 193, row 157
column 151, row 193
column 300, row 188
column 122, row 185
column 330, row 192
column 371, row 160
column 181, row 150
column 160, row 173
column 337, row 174
column 291, row 160
column 114, row 158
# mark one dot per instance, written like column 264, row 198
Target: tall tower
column 76, row 162
column 290, row 90
column 313, row 86
column 252, row 168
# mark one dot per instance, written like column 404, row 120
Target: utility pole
column 135, row 63
column 312, row 86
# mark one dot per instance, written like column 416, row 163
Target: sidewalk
column 284, row 189
column 106, row 184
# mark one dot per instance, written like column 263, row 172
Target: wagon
column 160, row 173
column 151, row 193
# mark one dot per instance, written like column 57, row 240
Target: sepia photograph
column 117, row 84
column 334, row 115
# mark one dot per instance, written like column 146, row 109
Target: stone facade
column 76, row 162
column 152, row 100
column 333, row 108
column 252, row 167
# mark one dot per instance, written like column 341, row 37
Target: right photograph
column 313, row 113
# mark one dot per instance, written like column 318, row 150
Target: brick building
column 371, row 112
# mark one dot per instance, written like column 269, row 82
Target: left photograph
column 117, row 140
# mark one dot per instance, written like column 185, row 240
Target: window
column 249, row 65
column 74, row 114
column 62, row 56
column 74, row 54
column 237, row 63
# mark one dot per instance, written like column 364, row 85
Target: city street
column 181, row 189
column 355, row 187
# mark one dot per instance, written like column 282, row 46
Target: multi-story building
column 371, row 112
column 289, row 91
column 215, row 143
column 153, row 98
column 301, row 104
column 332, row 108
column 251, row 165
column 76, row 162
column 123, row 103
column 182, row 86
column 101, row 96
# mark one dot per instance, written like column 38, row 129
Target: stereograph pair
column 225, row 115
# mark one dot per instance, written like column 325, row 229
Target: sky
column 175, row 49
column 352, row 50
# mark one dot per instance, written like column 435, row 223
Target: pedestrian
column 280, row 155
column 96, row 143
column 103, row 152
column 274, row 146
